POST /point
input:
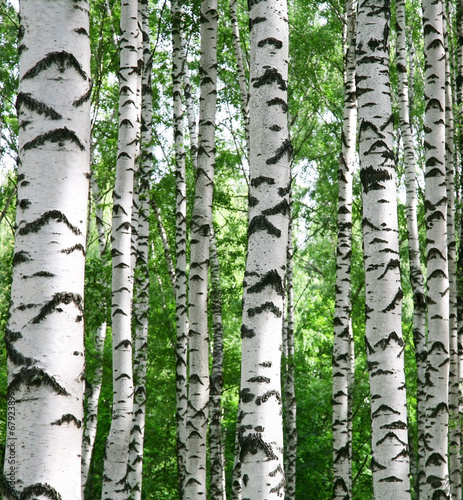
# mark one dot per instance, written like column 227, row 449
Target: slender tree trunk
column 290, row 394
column 237, row 484
column 117, row 445
column 180, row 240
column 201, row 227
column 343, row 362
column 437, row 372
column 217, row 489
column 416, row 274
column 261, row 426
column 383, row 336
column 141, row 302
column 44, row 336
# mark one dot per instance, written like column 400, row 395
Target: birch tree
column 44, row 336
column 261, row 427
column 383, row 336
column 201, row 228
column 117, row 444
column 343, row 339
column 437, row 371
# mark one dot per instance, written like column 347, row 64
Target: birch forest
column 231, row 249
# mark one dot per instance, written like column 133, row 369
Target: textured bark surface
column 437, row 372
column 216, row 447
column 44, row 335
column 343, row 362
column 383, row 336
column 261, row 426
column 141, row 279
column 201, row 227
column 117, row 445
column 180, row 243
column 416, row 274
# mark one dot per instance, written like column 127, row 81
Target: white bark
column 201, row 227
column 383, row 335
column 437, row 373
column 261, row 426
column 117, row 444
column 44, row 336
column 343, row 362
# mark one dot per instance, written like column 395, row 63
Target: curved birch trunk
column 290, row 395
column 44, row 336
column 217, row 489
column 437, row 372
column 117, row 445
column 343, row 362
column 383, row 337
column 141, row 283
column 261, row 426
column 180, row 241
column 201, row 227
column 416, row 274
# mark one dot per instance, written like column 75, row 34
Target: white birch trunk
column 117, row 445
column 437, row 372
column 383, row 336
column 180, row 241
column 201, row 227
column 44, row 336
column 261, row 426
column 343, row 362
column 416, row 274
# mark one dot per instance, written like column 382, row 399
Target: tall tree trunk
column 201, row 227
column 217, row 489
column 343, row 362
column 117, row 444
column 289, row 376
column 437, row 372
column 261, row 426
column 180, row 241
column 141, row 283
column 383, row 335
column 416, row 274
column 44, row 336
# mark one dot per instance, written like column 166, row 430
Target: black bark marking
column 247, row 332
column 438, row 273
column 285, row 148
column 260, row 379
column 391, row 479
column 247, row 396
column 119, row 311
column 437, row 346
column 81, row 31
column 123, row 375
column 253, row 443
column 68, row 418
column 272, row 279
column 26, row 99
column 35, row 377
column 36, row 225
column 83, row 98
column 256, row 20
column 125, row 343
column 398, row 424
column 277, row 101
column 52, row 305
column 435, row 459
column 390, row 435
column 64, row 60
column 440, row 408
column 267, row 395
column 375, row 466
column 384, row 409
column 398, row 297
column 372, row 178
column 16, row 357
column 384, row 343
column 270, row 41
column 59, row 135
column 268, row 306
column 261, row 223
column 24, row 204
column 392, row 264
column 270, row 76
column 76, row 248
column 20, row 257
column 257, row 181
column 266, row 364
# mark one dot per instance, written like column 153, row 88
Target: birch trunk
column 383, row 337
column 117, row 445
column 201, row 227
column 44, row 335
column 180, row 241
column 261, row 426
column 437, row 372
column 416, row 275
column 141, row 300
column 217, row 489
column 343, row 362
column 290, row 395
